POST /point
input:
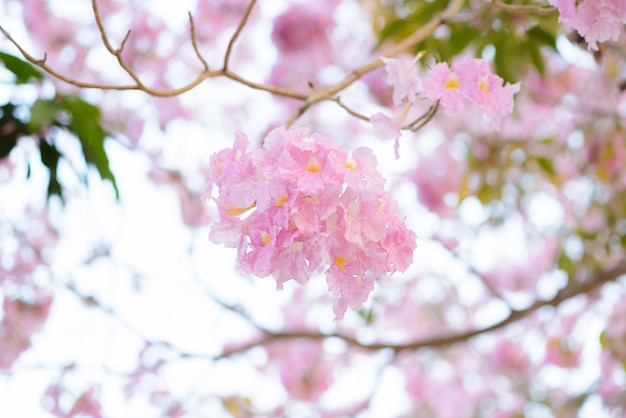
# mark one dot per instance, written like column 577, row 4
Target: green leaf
column 565, row 264
column 460, row 37
column 542, row 36
column 546, row 165
column 50, row 157
column 85, row 124
column 43, row 113
column 367, row 314
column 12, row 129
column 508, row 58
column 22, row 70
column 421, row 13
column 534, row 51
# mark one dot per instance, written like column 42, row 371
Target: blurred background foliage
column 46, row 119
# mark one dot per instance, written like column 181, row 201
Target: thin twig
column 524, row 9
column 279, row 91
column 349, row 110
column 425, row 118
column 418, row 36
column 41, row 63
column 194, row 42
column 231, row 43
column 117, row 53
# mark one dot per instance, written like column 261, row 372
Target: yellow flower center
column 313, row 167
column 341, row 263
column 483, row 86
column 350, row 164
column 452, row 82
column 281, row 200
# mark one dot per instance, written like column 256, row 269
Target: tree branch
column 138, row 84
column 418, row 36
column 566, row 293
column 524, row 9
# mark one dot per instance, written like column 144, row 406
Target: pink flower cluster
column 594, row 20
column 20, row 321
column 300, row 204
column 304, row 371
column 301, row 36
column 86, row 405
column 470, row 79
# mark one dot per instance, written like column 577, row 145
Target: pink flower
column 293, row 207
column 86, row 405
column 262, row 235
column 486, row 89
column 508, row 356
column 402, row 75
column 347, row 280
column 438, row 175
column 303, row 27
column 444, row 85
column 360, row 217
column 19, row 322
column 595, row 20
column 470, row 79
column 301, row 35
column 558, row 353
column 386, row 127
column 304, row 371
column 359, row 170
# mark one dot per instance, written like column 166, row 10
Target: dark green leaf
column 12, row 129
column 85, row 124
column 422, row 12
column 22, row 70
column 535, row 55
column 50, row 158
column 542, row 36
column 461, row 36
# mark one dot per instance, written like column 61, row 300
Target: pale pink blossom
column 559, row 353
column 438, row 175
column 509, row 357
column 302, row 36
column 486, row 89
column 295, row 206
column 444, row 85
column 386, row 127
column 470, row 79
column 359, row 170
column 20, row 321
column 402, row 75
column 303, row 28
column 304, row 371
column 595, row 20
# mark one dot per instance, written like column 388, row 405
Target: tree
column 435, row 188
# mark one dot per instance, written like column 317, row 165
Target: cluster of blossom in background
column 595, row 20
column 469, row 80
column 301, row 203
